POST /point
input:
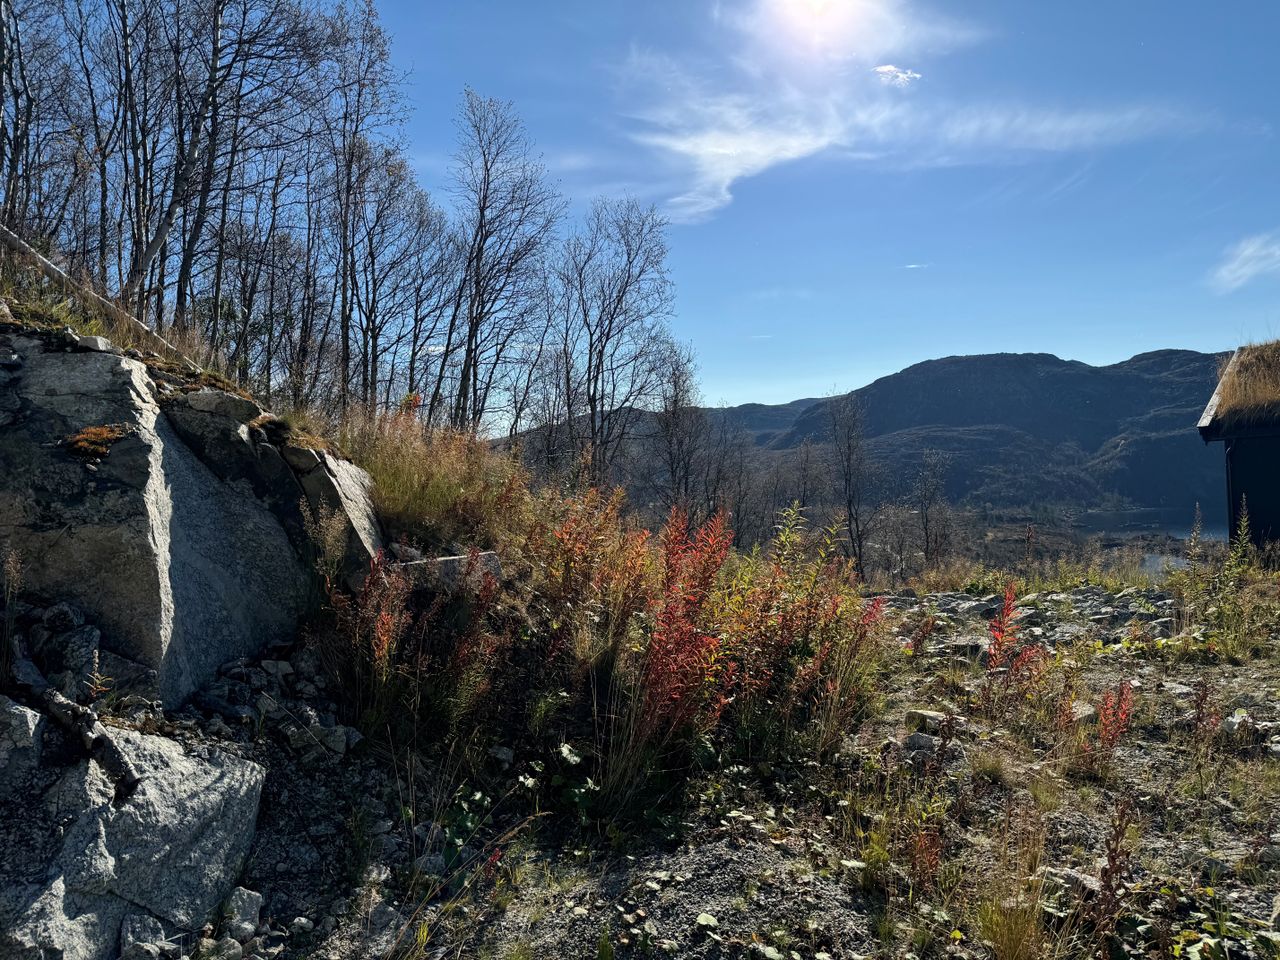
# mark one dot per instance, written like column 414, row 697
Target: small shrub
column 364, row 645
column 1229, row 607
column 592, row 575
column 803, row 642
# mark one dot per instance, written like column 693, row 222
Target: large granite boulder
column 107, row 507
column 79, row 872
column 219, row 428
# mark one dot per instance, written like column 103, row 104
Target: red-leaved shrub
column 676, row 684
column 1014, row 669
column 1115, row 715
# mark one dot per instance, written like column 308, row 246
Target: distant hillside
column 1031, row 428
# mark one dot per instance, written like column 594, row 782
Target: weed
column 1010, row 916
column 1104, row 909
column 439, row 488
column 11, row 587
column 803, row 641
column 364, row 645
column 989, row 765
column 1014, row 669
column 1228, row 608
column 1249, row 386
column 920, row 636
column 1115, row 716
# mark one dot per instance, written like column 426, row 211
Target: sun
column 827, row 28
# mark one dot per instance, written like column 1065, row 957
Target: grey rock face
column 223, row 404
column 338, row 486
column 80, row 875
column 243, row 910
column 210, row 423
column 95, row 344
column 138, row 932
column 180, row 570
column 21, row 735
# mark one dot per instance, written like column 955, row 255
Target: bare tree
column 233, row 169
column 680, row 431
column 896, row 536
column 507, row 211
column 853, row 475
column 929, row 498
column 809, row 483
column 728, row 479
column 612, row 338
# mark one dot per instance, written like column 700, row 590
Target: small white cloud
column 915, row 266
column 895, row 76
column 1252, row 257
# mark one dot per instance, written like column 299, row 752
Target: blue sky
column 858, row 185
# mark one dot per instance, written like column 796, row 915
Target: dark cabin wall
column 1253, row 477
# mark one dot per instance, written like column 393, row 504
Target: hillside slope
column 1032, row 428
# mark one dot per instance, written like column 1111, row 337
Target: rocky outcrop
column 80, row 873
column 340, row 488
column 21, row 744
column 163, row 511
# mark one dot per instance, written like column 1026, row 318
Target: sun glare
column 829, row 28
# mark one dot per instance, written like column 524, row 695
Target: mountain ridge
column 1022, row 428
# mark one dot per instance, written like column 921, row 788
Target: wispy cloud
column 572, row 161
column 1038, row 129
column 915, row 266
column 1252, row 257
column 793, row 79
column 720, row 139
column 768, row 294
column 896, row 76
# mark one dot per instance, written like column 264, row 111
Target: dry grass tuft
column 42, row 306
column 307, row 427
column 94, row 443
column 436, row 488
column 1250, row 387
